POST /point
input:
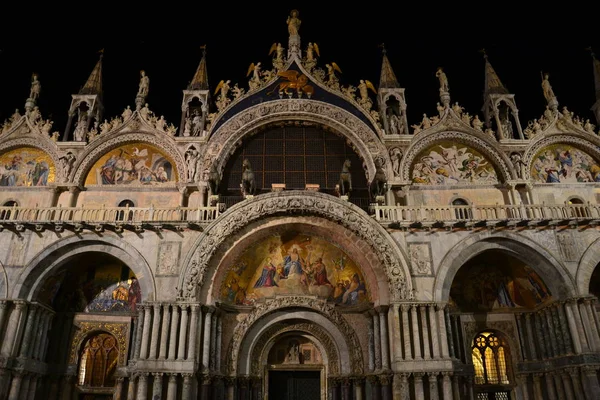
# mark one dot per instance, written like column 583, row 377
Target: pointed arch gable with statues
column 198, row 267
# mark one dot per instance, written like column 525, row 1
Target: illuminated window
column 490, row 355
column 98, row 361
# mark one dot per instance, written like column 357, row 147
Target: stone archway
column 35, row 273
column 329, row 326
column 198, row 267
column 589, row 262
column 558, row 279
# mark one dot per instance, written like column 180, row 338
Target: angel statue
column 332, row 80
column 363, row 89
column 222, row 99
column 254, row 69
column 311, row 50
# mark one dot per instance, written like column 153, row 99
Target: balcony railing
column 486, row 213
column 116, row 216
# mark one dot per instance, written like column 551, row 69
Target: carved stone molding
column 494, row 154
column 229, row 135
column 322, row 307
column 259, row 356
column 119, row 330
column 305, row 203
column 87, row 159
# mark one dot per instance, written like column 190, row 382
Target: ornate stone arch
column 87, row 158
column 248, row 332
column 506, row 328
column 486, row 147
column 294, row 202
column 120, row 331
column 587, row 265
column 325, row 343
column 557, row 277
column 42, row 265
column 229, row 135
column 587, row 143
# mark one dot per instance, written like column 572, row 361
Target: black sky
column 62, row 47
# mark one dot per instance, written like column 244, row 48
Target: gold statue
column 293, row 23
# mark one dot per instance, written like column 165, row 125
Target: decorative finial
column 383, row 50
column 589, row 48
column 482, row 51
column 203, row 48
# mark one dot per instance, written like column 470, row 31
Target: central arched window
column 98, row 361
column 491, row 358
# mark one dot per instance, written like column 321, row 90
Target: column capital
column 382, row 308
column 187, row 376
column 385, row 379
column 3, row 304
column 157, row 374
column 208, row 309
column 229, row 380
column 206, row 379
column 418, row 375
column 20, row 304
column 404, row 307
column 447, row 374
column 142, row 376
column 441, row 306
column 172, row 377
column 372, row 379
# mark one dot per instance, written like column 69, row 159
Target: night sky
column 165, row 42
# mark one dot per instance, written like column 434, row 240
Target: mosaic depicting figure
column 26, row 167
column 449, row 163
column 560, row 163
column 487, row 285
column 294, row 263
column 103, row 288
column 136, row 163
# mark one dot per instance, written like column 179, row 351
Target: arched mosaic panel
column 294, row 263
column 450, row 163
column 26, row 166
column 564, row 163
column 133, row 164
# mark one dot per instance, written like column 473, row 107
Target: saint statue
column 547, row 88
column 144, row 84
column 441, row 75
column 35, row 87
column 293, row 23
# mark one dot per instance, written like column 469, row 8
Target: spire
column 493, row 85
column 94, row 82
column 387, row 78
column 200, row 80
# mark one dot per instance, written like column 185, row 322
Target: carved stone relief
column 420, row 258
column 168, row 258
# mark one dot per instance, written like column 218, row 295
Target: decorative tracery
column 490, row 359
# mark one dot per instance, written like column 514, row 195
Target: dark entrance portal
column 294, row 385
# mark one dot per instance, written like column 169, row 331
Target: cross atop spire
column 200, row 80
column 387, row 78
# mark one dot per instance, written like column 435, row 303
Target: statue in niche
column 396, row 126
column 345, row 183
column 379, row 183
column 519, row 165
column 395, row 157
column 66, row 164
column 196, row 123
column 214, row 179
column 191, row 157
column 80, row 129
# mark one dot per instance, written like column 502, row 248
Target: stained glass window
column 98, row 361
column 490, row 353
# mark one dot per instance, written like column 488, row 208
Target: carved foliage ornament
column 88, row 160
column 258, row 355
column 321, row 306
column 231, row 132
column 319, row 204
column 485, row 148
column 118, row 330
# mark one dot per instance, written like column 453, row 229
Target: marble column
column 186, row 393
column 550, row 390
column 455, row 327
column 131, row 387
column 27, row 336
column 142, row 386
column 66, row 389
column 470, row 388
column 373, row 383
column 25, row 383
column 523, row 390
column 138, row 331
column 576, row 381
column 568, row 386
column 205, row 387
column 182, row 332
column 450, row 340
column 585, row 346
column 346, row 386
column 425, row 331
column 447, row 385
column 593, row 329
column 157, row 386
column 164, row 334
column 589, row 378
column 173, row 335
column 404, row 386
column 370, row 343
column 172, row 386
column 564, row 327
column 155, row 331
column 456, row 392
column 435, row 336
column 441, row 309
column 37, row 334
column 73, row 193
column 433, row 386
column 230, row 387
column 376, row 340
column 406, row 332
column 213, row 338
column 519, row 320
column 554, row 310
column 192, row 351
column 396, row 345
column 219, row 339
column 418, row 382
column 573, row 328
column 206, row 339
column 383, row 334
column 33, row 385
column 4, row 305
column 540, row 335
column 560, row 390
column 118, row 393
column 416, row 332
column 145, row 333
column 359, row 388
column 553, row 345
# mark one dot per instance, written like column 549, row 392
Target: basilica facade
column 295, row 237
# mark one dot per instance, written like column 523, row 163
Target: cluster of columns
column 416, row 331
column 570, row 383
column 24, row 330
